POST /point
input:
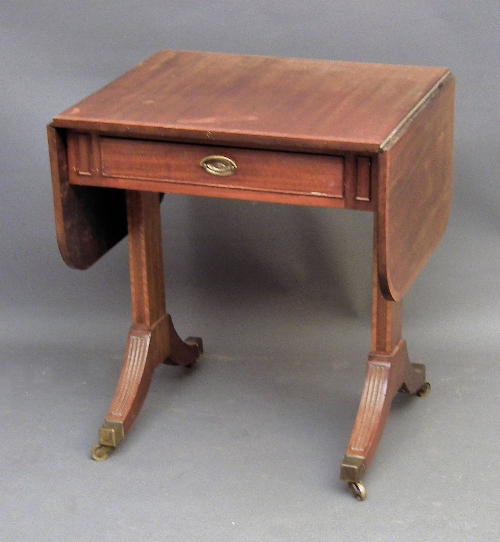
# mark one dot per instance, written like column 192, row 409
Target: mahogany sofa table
column 329, row 134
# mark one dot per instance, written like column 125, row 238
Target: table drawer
column 226, row 167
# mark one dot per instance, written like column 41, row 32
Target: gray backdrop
column 248, row 445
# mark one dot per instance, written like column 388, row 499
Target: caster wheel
column 424, row 390
column 358, row 490
column 100, row 452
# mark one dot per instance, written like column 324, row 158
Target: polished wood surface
column 149, row 165
column 332, row 134
column 259, row 101
column 388, row 372
column 89, row 221
column 415, row 184
column 152, row 339
column 393, row 123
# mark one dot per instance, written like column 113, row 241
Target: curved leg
column 183, row 352
column 385, row 376
column 388, row 371
column 146, row 349
column 152, row 339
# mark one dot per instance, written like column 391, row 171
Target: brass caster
column 100, row 452
column 424, row 390
column 358, row 490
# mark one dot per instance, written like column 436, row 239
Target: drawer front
column 337, row 181
column 265, row 171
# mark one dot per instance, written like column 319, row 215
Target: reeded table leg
column 152, row 339
column 388, row 371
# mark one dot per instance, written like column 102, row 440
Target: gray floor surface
column 247, row 445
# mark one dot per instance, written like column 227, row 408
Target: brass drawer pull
column 221, row 166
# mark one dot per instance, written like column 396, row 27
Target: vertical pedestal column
column 152, row 338
column 388, row 371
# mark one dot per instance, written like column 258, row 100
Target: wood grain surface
column 308, row 132
column 414, row 190
column 89, row 221
column 258, row 101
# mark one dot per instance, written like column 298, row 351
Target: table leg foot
column 184, row 353
column 385, row 376
column 420, row 387
column 146, row 349
column 424, row 390
column 110, row 434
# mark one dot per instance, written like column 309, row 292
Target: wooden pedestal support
column 388, row 371
column 152, row 339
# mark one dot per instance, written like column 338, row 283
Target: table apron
column 342, row 180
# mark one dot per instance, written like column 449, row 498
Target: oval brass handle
column 221, row 166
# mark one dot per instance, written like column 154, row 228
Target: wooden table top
column 260, row 102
